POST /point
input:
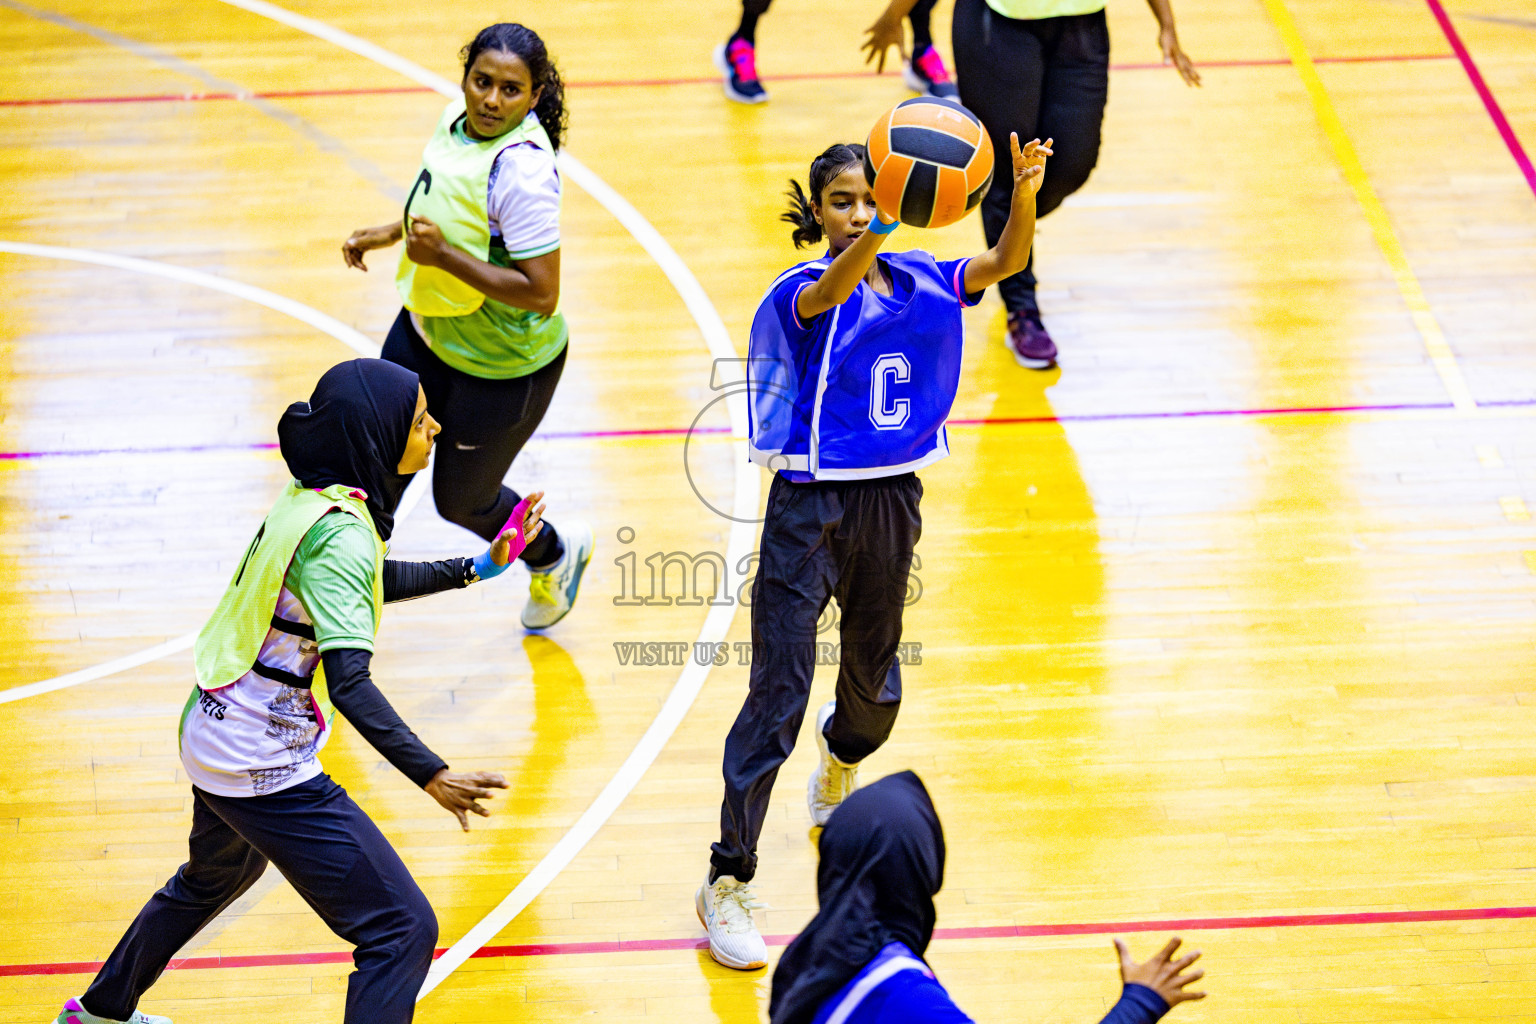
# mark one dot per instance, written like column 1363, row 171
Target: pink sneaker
column 926, row 73
column 737, row 60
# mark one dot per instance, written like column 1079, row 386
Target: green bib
column 230, row 640
column 1034, row 10
column 450, row 192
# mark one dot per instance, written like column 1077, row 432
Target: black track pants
column 851, row 540
column 331, row 852
column 485, row 424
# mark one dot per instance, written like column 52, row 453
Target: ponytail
column 834, row 161
column 508, row 37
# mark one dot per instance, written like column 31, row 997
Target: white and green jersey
column 498, row 200
column 310, row 582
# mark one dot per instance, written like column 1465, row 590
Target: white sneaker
column 725, row 910
column 552, row 592
column 833, row 780
column 74, row 1013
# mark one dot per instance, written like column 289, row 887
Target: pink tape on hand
column 515, row 522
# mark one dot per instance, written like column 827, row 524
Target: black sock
column 922, row 37
column 751, row 10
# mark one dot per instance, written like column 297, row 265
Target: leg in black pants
column 337, row 859
column 485, row 424
column 850, row 539
column 1042, row 79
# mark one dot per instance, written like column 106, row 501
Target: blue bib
column 862, row 390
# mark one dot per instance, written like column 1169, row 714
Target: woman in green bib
column 480, row 282
column 292, row 639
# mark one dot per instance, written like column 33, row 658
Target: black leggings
column 485, row 424
column 751, row 10
column 1046, row 78
column 336, row 858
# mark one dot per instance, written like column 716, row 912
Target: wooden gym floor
column 1229, row 621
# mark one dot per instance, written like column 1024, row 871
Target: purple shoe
column 1028, row 340
column 737, row 60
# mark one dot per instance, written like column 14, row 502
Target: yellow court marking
column 1375, row 213
column 1515, row 510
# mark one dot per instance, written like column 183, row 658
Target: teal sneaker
column 74, row 1013
column 552, row 592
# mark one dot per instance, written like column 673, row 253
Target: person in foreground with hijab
column 292, row 636
column 859, row 961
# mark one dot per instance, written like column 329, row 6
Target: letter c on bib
column 891, row 368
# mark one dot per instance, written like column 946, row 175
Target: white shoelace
column 734, row 905
column 836, row 782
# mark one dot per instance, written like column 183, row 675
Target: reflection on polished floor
column 1229, row 621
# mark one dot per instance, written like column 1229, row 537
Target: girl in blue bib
column 853, row 365
column 860, row 960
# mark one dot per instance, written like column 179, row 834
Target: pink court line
column 1511, row 140
column 990, row 421
column 190, row 97
column 1192, row 924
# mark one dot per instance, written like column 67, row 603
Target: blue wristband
column 880, row 227
column 486, row 567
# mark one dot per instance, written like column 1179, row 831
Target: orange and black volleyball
column 928, row 161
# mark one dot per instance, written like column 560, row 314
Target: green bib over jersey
column 230, row 640
column 1033, row 10
column 465, row 329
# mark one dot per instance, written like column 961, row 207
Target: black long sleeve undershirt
column 353, row 692
column 405, row 581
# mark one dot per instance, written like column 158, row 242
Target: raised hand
column 460, row 792
column 533, row 522
column 1162, row 974
column 1029, row 163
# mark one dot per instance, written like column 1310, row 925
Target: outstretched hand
column 1168, row 42
column 1162, row 974
column 1029, row 162
column 460, row 792
column 362, row 241
column 883, row 34
column 533, row 522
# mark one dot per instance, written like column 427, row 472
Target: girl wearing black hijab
column 859, row 961
column 293, row 637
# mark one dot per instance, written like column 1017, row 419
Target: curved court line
column 744, row 505
column 1439, row 350
column 260, row 296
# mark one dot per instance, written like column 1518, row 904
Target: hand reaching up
column 1029, row 163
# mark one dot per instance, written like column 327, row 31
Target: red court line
column 1511, row 140
column 191, row 97
column 1014, row 931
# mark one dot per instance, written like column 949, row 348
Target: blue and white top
column 896, row 987
column 862, row 390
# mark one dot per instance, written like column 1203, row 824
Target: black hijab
column 353, row 431
column 882, row 860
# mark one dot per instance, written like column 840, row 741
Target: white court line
column 348, row 336
column 304, row 314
